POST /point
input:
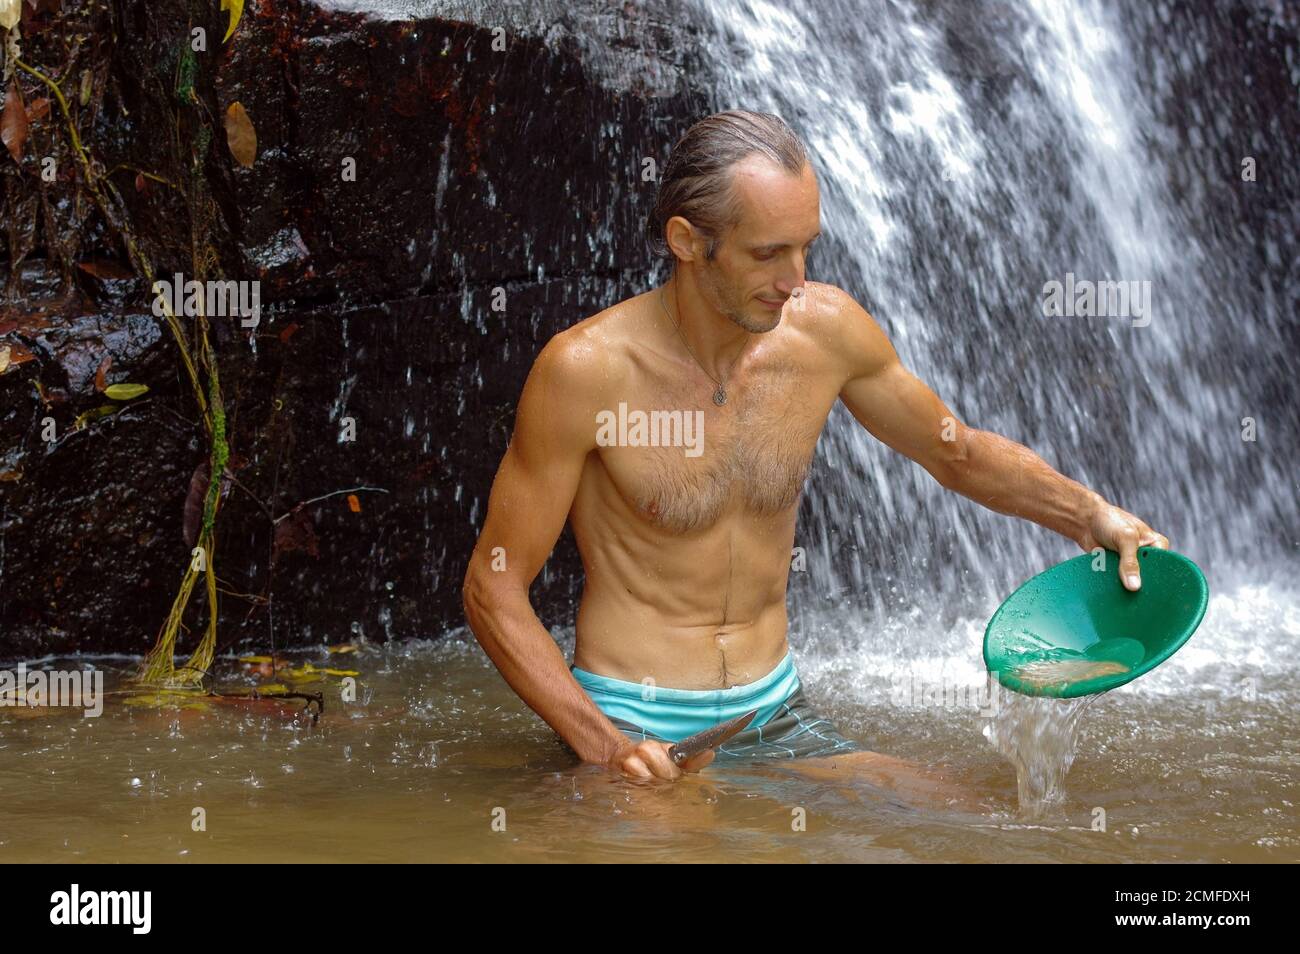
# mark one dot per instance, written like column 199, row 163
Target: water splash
column 1039, row 736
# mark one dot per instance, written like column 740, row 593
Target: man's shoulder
column 602, row 338
column 827, row 303
column 841, row 327
column 829, row 314
column 591, row 354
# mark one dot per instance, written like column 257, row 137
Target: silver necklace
column 720, row 395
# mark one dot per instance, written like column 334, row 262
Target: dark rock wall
column 477, row 169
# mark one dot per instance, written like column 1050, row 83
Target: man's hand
column 1119, row 530
column 649, row 759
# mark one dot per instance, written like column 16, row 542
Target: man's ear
column 685, row 241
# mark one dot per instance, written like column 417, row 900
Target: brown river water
column 437, row 760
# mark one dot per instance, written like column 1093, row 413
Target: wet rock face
column 90, row 555
column 424, row 212
column 400, row 157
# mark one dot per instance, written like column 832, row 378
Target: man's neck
column 716, row 341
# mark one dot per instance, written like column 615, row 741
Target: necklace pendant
column 720, row 396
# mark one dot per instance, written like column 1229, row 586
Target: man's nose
column 791, row 276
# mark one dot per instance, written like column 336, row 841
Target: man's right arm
column 531, row 496
column 555, row 430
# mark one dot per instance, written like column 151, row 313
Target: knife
column 709, row 738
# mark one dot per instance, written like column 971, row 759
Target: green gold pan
column 1074, row 630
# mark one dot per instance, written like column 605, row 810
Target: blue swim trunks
column 785, row 727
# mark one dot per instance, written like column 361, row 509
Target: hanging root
column 158, row 668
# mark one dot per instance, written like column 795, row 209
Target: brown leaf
column 28, row 12
column 27, row 321
column 12, row 354
column 193, row 518
column 100, row 375
column 196, row 499
column 288, row 332
column 103, row 268
column 353, row 503
column 297, row 531
column 240, row 135
column 13, row 122
column 38, row 109
column 139, row 182
column 41, row 6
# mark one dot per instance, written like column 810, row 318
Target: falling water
column 967, row 155
column 1038, row 735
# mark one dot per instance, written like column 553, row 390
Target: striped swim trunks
column 786, row 726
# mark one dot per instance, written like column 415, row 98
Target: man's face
column 760, row 262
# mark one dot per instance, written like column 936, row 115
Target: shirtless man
column 686, row 546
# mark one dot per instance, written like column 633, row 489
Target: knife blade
column 709, row 738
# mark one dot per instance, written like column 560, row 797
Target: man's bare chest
column 681, row 462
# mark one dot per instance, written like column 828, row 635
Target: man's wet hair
column 696, row 182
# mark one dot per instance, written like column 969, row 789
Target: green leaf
column 124, row 392
column 99, row 412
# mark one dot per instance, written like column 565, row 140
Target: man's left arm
column 902, row 412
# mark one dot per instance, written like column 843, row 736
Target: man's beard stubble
column 718, row 298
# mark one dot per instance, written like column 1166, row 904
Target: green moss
column 220, row 449
column 185, row 75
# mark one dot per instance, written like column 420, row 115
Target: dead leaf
column 196, row 500
column 32, row 13
column 193, row 512
column 4, row 358
column 353, row 503
column 17, row 354
column 29, row 321
column 105, row 269
column 38, row 109
column 261, row 665
column 100, row 382
column 240, row 135
column 27, row 12
column 295, row 532
column 13, row 122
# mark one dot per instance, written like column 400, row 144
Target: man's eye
column 763, row 256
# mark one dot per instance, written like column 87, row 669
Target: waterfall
column 968, row 154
